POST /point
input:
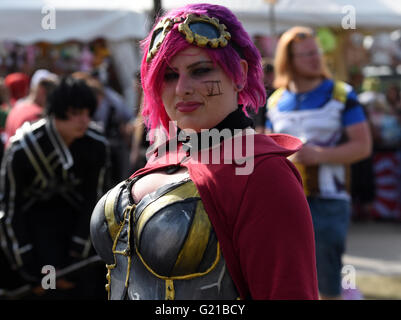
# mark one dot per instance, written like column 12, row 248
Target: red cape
column 262, row 220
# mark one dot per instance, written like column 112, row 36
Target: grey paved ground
column 374, row 247
column 374, row 250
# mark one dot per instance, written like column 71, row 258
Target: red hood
column 274, row 144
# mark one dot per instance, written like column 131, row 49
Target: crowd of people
column 377, row 179
column 78, row 193
column 64, row 140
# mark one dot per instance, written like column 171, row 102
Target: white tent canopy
column 27, row 21
column 254, row 14
column 21, row 20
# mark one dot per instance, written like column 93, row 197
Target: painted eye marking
column 213, row 88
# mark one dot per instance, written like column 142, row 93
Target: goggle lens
column 204, row 29
column 157, row 36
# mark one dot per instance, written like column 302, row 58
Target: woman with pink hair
column 203, row 220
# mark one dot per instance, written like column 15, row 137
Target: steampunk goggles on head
column 200, row 30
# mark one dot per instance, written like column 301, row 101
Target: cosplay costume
column 48, row 191
column 318, row 117
column 215, row 234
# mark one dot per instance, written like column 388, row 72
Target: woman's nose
column 184, row 86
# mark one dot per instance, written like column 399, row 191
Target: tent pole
column 157, row 10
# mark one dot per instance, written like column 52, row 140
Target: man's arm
column 358, row 147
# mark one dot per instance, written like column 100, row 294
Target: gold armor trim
column 126, row 252
column 187, row 276
column 109, row 204
column 170, row 292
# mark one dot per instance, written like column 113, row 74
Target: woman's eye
column 201, row 71
column 169, row 76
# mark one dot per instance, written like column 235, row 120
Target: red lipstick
column 187, row 106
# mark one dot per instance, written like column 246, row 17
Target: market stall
column 73, row 35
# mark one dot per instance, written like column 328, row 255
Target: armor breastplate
column 164, row 247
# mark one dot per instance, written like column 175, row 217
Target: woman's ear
column 244, row 75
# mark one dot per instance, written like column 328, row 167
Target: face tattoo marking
column 213, row 88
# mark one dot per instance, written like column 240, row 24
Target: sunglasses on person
column 299, row 36
column 200, row 30
column 303, row 36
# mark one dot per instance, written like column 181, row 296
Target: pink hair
column 228, row 58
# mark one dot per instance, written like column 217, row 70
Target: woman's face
column 196, row 93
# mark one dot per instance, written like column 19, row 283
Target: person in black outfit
column 52, row 175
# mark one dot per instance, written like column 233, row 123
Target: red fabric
column 19, row 114
column 18, row 85
column 262, row 220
